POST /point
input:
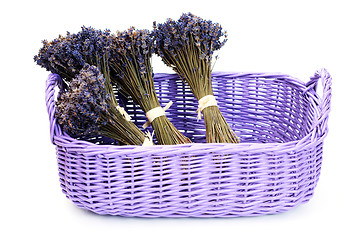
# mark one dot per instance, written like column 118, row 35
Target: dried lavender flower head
column 80, row 109
column 94, row 43
column 132, row 47
column 172, row 36
column 66, row 55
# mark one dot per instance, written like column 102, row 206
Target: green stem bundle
column 131, row 63
column 195, row 70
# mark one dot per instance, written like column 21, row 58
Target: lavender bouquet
column 66, row 55
column 187, row 46
column 130, row 61
column 85, row 109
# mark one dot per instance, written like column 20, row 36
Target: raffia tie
column 148, row 139
column 155, row 113
column 204, row 102
column 124, row 113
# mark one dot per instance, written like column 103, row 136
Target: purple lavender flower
column 86, row 109
column 66, row 55
column 135, row 46
column 190, row 30
column 81, row 110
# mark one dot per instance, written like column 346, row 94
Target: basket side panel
column 189, row 183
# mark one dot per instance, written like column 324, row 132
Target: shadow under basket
column 280, row 121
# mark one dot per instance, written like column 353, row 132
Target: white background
column 296, row 38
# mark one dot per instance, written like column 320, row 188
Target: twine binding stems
column 155, row 113
column 204, row 102
column 123, row 112
column 148, row 139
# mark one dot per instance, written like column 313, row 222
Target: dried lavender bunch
column 66, row 55
column 86, row 109
column 187, row 46
column 130, row 60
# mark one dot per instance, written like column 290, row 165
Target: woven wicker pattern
column 281, row 122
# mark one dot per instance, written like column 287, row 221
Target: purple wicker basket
column 281, row 122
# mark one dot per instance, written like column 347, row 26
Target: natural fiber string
column 148, row 139
column 204, row 102
column 155, row 113
column 123, row 112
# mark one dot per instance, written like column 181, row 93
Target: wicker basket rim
column 313, row 137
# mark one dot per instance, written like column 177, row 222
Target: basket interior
column 261, row 109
